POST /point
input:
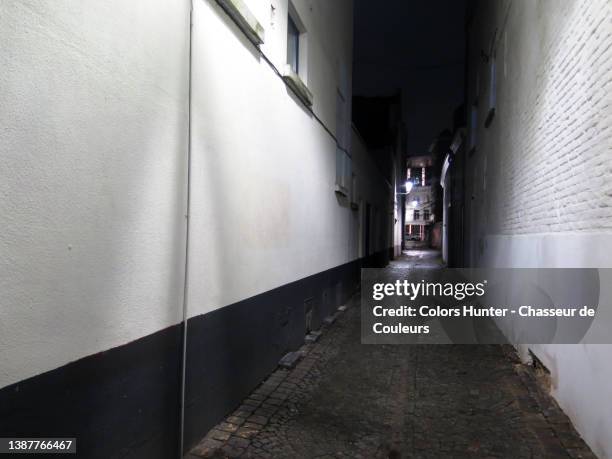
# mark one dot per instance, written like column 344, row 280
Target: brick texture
column 544, row 165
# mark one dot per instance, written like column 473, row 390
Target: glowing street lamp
column 408, row 186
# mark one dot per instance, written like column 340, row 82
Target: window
column 344, row 172
column 414, row 175
column 426, row 214
column 417, row 215
column 293, row 46
column 342, row 123
column 492, row 99
column 492, row 91
column 343, row 160
column 295, row 72
column 473, row 128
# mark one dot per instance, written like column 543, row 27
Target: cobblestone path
column 348, row 400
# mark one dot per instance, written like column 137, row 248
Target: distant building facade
column 380, row 122
column 421, row 200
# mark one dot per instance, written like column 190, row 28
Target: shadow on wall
column 231, row 350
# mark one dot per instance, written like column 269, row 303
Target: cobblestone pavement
column 348, row 400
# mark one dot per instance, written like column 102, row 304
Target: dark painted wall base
column 125, row 402
column 119, row 403
column 231, row 350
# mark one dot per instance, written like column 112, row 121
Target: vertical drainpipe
column 187, row 220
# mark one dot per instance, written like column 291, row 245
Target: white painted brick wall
column 548, row 153
column 539, row 185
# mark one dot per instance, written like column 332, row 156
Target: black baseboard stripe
column 124, row 402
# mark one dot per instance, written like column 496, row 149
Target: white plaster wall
column 538, row 193
column 264, row 212
column 93, row 170
column 329, row 47
column 93, row 130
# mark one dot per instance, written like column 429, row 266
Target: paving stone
column 312, row 337
column 273, row 401
column 253, row 425
column 231, row 452
column 206, row 448
column 219, row 435
column 289, row 360
column 266, row 411
column 348, row 400
column 247, row 432
column 252, row 402
column 257, row 419
column 242, row 414
column 227, row 427
column 238, row 442
column 269, row 386
column 281, row 393
column 329, row 320
column 246, row 408
column 235, row 420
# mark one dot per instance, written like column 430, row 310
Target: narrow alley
column 301, row 229
column 345, row 399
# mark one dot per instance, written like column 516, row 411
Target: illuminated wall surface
column 94, row 181
column 538, row 188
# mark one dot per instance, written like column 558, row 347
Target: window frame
column 297, row 81
column 293, row 42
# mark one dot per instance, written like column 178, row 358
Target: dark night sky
column 418, row 46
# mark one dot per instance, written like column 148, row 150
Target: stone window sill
column 295, row 82
column 339, row 189
column 243, row 17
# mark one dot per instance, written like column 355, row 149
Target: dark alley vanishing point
column 345, row 399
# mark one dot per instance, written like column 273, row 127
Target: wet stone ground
column 348, row 400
